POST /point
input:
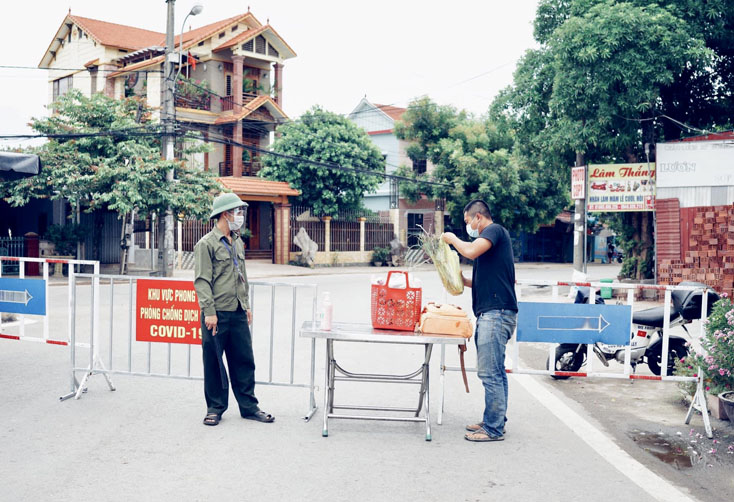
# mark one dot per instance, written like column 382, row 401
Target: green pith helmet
column 225, row 202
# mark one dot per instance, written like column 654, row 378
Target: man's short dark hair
column 477, row 206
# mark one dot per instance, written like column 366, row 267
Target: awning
column 258, row 189
column 14, row 166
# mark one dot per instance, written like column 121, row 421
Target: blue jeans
column 494, row 329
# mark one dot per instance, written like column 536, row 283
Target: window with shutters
column 260, row 44
column 226, row 169
column 248, row 46
column 272, row 51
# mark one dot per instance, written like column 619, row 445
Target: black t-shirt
column 493, row 277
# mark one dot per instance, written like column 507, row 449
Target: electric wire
column 304, row 160
column 111, row 70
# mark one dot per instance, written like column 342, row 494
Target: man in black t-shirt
column 495, row 307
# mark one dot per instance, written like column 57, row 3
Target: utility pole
column 165, row 255
column 579, row 223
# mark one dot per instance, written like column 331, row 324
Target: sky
column 459, row 52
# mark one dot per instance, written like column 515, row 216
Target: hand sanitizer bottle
column 328, row 309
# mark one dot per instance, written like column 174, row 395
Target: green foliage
column 639, row 261
column 381, row 255
column 65, row 238
column 118, row 172
column 611, row 63
column 323, row 136
column 603, row 74
column 191, row 93
column 629, row 266
column 478, row 158
column 716, row 360
column 710, row 22
column 427, row 123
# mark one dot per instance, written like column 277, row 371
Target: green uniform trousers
column 233, row 339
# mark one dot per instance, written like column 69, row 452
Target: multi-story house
column 230, row 90
column 379, row 122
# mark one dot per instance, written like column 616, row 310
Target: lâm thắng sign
column 621, row 187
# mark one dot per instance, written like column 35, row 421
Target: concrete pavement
column 146, row 439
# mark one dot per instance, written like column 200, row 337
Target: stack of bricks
column 710, row 255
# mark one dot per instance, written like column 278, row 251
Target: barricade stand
column 46, row 263
column 699, row 398
column 178, row 332
column 95, row 362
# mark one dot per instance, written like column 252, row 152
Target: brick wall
column 707, row 250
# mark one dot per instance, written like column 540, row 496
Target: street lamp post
column 195, row 11
column 165, row 258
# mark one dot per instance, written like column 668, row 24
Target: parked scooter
column 646, row 339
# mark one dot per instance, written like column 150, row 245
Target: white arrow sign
column 12, row 296
column 572, row 323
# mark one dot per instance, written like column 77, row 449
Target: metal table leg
column 427, row 393
column 419, row 377
column 328, row 386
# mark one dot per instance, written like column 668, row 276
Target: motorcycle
column 646, row 339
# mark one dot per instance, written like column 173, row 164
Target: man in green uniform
column 221, row 286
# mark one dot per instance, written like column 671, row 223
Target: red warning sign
column 167, row 311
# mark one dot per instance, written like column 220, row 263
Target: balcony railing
column 248, row 168
column 194, row 102
column 228, row 101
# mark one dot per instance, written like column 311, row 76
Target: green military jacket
column 219, row 284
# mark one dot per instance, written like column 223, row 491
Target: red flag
column 191, row 60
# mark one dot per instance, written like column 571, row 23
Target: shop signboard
column 621, row 187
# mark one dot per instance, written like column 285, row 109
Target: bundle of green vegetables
column 446, row 262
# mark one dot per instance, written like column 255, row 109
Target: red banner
column 167, row 311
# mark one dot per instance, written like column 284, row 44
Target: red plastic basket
column 395, row 308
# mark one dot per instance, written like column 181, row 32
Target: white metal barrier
column 125, row 355
column 73, row 267
column 513, row 350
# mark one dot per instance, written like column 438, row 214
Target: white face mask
column 473, row 233
column 236, row 224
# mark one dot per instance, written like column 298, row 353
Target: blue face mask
column 473, row 233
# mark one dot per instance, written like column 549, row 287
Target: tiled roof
column 118, row 35
column 128, row 37
column 190, row 38
column 394, row 112
column 250, row 107
column 248, row 185
column 195, row 36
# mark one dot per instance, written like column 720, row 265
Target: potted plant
column 726, row 399
column 65, row 238
column 716, row 360
column 380, row 256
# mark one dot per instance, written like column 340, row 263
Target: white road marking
column 654, row 485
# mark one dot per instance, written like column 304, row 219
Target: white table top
column 355, row 332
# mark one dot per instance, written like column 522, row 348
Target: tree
column 602, row 77
column 342, row 158
column 107, row 157
column 476, row 158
